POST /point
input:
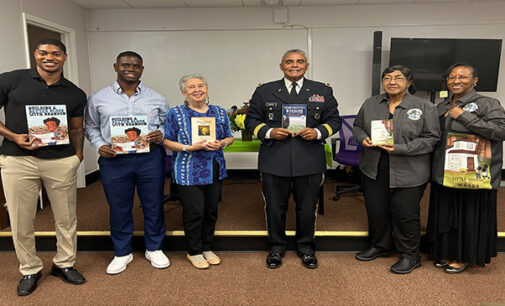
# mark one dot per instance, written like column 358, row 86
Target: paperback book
column 47, row 124
column 382, row 132
column 467, row 162
column 129, row 134
column 294, row 117
column 203, row 128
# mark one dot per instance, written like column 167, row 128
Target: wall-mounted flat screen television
column 429, row 58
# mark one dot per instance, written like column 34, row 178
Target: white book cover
column 48, row 124
column 203, row 128
column 382, row 132
column 128, row 134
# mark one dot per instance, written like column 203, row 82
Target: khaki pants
column 22, row 177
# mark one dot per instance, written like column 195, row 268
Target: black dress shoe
column 453, row 270
column 440, row 263
column 28, row 283
column 405, row 265
column 69, row 275
column 309, row 261
column 274, row 260
column 371, row 253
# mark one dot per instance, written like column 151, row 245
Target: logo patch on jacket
column 316, row 98
column 470, row 107
column 414, row 114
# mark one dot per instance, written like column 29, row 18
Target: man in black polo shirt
column 26, row 163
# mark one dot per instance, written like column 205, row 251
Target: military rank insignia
column 316, row 98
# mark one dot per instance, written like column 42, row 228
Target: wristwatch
column 184, row 148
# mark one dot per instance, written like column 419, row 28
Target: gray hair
column 185, row 78
column 293, row 51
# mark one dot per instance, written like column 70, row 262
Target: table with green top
column 254, row 146
column 243, row 146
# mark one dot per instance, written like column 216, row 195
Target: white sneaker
column 119, row 263
column 157, row 259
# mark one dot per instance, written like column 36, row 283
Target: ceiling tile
column 433, row 1
column 213, row 3
column 383, row 1
column 250, row 3
column 155, row 3
column 328, row 2
column 101, row 4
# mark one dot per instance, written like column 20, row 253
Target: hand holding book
column 307, row 133
column 281, row 133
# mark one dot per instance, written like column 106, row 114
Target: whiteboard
column 233, row 61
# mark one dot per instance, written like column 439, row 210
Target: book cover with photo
column 382, row 132
column 467, row 162
column 47, row 124
column 128, row 134
column 203, row 128
column 294, row 117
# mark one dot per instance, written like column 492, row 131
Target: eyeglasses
column 460, row 77
column 397, row 79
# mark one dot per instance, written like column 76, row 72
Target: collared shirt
column 25, row 87
column 196, row 167
column 415, row 132
column 289, row 85
column 112, row 101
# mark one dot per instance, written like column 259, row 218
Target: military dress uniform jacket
column 292, row 156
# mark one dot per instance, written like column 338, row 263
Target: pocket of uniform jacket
column 273, row 114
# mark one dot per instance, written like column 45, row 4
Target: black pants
column 393, row 214
column 199, row 213
column 276, row 191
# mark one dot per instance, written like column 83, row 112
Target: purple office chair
column 348, row 153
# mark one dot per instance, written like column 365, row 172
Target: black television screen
column 429, row 58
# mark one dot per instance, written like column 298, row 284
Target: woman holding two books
column 395, row 167
column 466, row 174
column 197, row 132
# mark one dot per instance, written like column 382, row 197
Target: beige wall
column 177, row 41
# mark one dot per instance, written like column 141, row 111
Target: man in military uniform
column 290, row 161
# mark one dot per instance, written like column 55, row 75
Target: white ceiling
column 119, row 4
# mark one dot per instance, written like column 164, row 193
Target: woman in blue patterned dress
column 199, row 167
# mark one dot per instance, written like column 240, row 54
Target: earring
column 474, row 84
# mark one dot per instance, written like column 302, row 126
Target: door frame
column 67, row 37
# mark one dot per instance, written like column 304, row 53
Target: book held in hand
column 203, row 128
column 128, row 134
column 467, row 162
column 382, row 132
column 294, row 117
column 47, row 124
